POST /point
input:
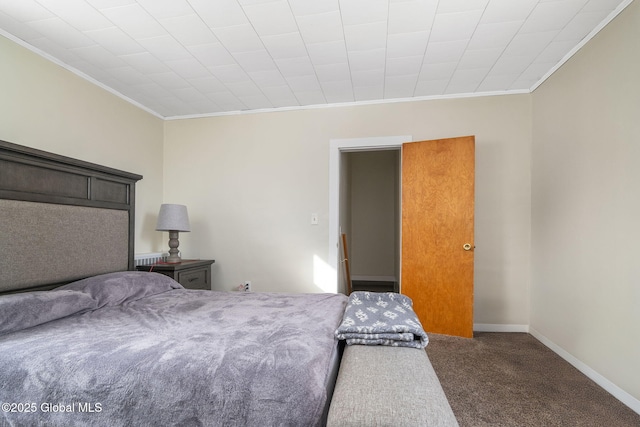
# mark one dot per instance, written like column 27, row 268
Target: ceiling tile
column 400, row 86
column 25, row 10
column 450, row 51
column 165, row 48
column 221, row 13
column 161, row 9
column 239, row 38
column 537, row 70
column 169, row 80
column 411, row 16
column 327, row 53
column 511, row 65
column 407, row 44
column 151, row 91
column 466, row 80
column 357, row 12
column 406, row 65
column 315, row 97
column 599, row 5
column 295, row 67
column 285, row 46
column 105, row 4
column 333, row 72
column 367, row 59
column 227, row 101
column 368, row 78
column 207, row 85
column 256, row 102
column 320, row 28
column 128, row 75
column 308, row 83
column 243, row 88
column 494, row 35
column 368, row 93
column 500, row 11
column 455, row 6
column 135, row 21
column 229, row 74
column 188, row 29
column 100, row 57
column 550, row 16
column 454, row 26
column 555, row 51
column 61, row 33
column 479, row 58
column 115, row 41
column 189, row 68
column 493, row 83
column 17, row 29
column 255, row 61
column 55, row 50
column 271, row 18
column 306, row 7
column 77, row 13
column 211, row 54
column 145, row 63
column 581, row 25
column 188, row 94
column 431, row 87
column 280, row 96
column 439, row 71
column 338, row 91
column 528, row 44
column 366, row 36
column 267, row 78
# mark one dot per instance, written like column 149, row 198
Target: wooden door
column 437, row 232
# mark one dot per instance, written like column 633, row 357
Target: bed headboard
column 61, row 219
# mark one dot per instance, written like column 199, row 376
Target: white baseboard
column 490, row 327
column 374, row 278
column 616, row 391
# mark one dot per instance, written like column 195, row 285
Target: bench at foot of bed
column 388, row 386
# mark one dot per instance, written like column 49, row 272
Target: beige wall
column 586, row 203
column 49, row 108
column 252, row 181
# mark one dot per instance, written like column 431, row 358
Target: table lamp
column 173, row 218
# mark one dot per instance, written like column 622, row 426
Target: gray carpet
column 511, row 379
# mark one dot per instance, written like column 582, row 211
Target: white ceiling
column 189, row 58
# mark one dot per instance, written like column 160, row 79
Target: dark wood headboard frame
column 32, row 175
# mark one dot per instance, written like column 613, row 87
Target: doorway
column 437, row 216
column 371, row 218
column 338, row 191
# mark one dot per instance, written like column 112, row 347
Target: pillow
column 24, row 310
column 123, row 286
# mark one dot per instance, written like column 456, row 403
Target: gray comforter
column 126, row 350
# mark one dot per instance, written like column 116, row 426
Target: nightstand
column 192, row 274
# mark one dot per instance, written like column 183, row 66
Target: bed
column 84, row 340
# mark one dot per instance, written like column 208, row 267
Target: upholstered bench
column 388, row 386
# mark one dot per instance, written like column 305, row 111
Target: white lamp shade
column 173, row 218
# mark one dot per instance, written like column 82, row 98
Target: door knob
column 467, row 246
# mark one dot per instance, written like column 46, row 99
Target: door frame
column 336, row 147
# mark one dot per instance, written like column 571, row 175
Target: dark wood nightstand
column 192, row 274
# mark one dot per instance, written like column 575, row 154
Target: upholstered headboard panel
column 61, row 219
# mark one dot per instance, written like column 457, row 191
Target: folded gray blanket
column 375, row 318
